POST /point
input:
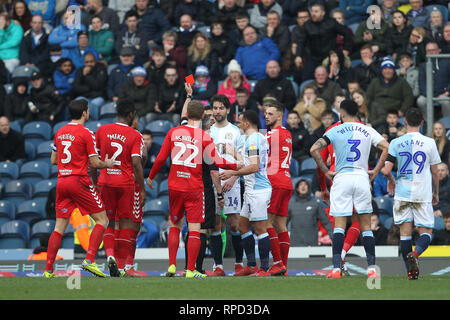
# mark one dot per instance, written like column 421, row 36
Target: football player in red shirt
column 280, row 141
column 117, row 184
column 188, row 146
column 75, row 152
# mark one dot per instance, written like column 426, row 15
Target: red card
column 190, row 79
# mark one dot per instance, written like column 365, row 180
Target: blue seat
column 439, row 223
column 302, row 86
column 159, row 140
column 58, row 126
column 156, row 219
column 206, row 30
column 385, row 205
column 67, row 241
column 17, row 191
column 53, row 171
column 16, row 126
column 308, row 166
column 294, row 168
column 39, row 229
column 14, row 234
column 446, row 122
column 36, row 132
column 111, row 67
column 252, row 84
column 30, row 150
column 163, row 189
column 42, row 188
column 44, row 150
column 34, row 171
column 93, row 125
column 156, row 206
column 159, row 127
column 31, row 210
column 441, row 8
column 296, row 87
column 9, row 87
column 8, row 171
column 355, row 63
column 108, row 110
column 7, row 211
column 152, row 193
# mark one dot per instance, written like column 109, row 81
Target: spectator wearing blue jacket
column 46, row 8
column 64, row 77
column 77, row 54
column 355, row 11
column 254, row 53
column 418, row 15
column 121, row 74
column 65, row 35
column 154, row 23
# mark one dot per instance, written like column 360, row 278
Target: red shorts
column 118, row 201
column 191, row 202
column 279, row 202
column 77, row 192
column 138, row 212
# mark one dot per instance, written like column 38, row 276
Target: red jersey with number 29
column 74, row 144
column 188, row 147
column 278, row 170
column 120, row 142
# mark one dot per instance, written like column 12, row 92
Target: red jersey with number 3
column 120, row 142
column 280, row 141
column 188, row 147
column 74, row 144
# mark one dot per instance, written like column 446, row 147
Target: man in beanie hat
column 388, row 92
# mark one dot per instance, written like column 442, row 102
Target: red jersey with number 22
column 280, row 141
column 75, row 144
column 120, row 142
column 187, row 146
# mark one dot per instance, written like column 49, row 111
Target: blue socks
column 405, row 248
column 369, row 246
column 216, row 247
column 264, row 250
column 422, row 243
column 238, row 250
column 338, row 244
column 248, row 243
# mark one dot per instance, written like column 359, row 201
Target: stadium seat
column 31, row 211
column 252, row 84
column 159, row 140
column 58, row 126
column 67, row 239
column 9, row 87
column 30, row 150
column 36, row 132
column 295, row 87
column 16, row 126
column 156, row 206
column 111, row 67
column 163, row 189
column 108, row 111
column 7, row 211
column 152, row 193
column 439, row 223
column 159, row 127
column 8, row 171
column 23, row 71
column 44, row 150
column 355, row 63
column 444, row 10
column 388, row 222
column 156, row 219
column 39, row 229
column 14, row 234
column 446, row 122
column 308, row 166
column 385, row 205
column 294, row 168
column 42, row 188
column 93, row 125
column 17, row 191
column 34, row 171
column 205, row 30
column 302, row 86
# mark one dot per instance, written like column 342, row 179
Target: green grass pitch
column 225, row 288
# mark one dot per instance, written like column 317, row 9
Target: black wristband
column 220, row 196
column 189, row 97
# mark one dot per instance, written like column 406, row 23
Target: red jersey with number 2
column 188, row 147
column 280, row 141
column 75, row 144
column 120, row 142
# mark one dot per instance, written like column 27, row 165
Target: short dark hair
column 293, row 112
column 242, row 14
column 252, row 117
column 124, row 107
column 241, row 90
column 131, row 13
column 195, row 110
column 393, row 111
column 414, row 117
column 147, row 132
column 77, row 107
column 275, row 104
column 350, row 107
column 326, row 112
column 222, row 99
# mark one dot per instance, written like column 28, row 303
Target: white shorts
column 232, row 200
column 350, row 191
column 421, row 213
column 255, row 204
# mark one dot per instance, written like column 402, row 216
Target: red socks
column 274, row 245
column 351, row 236
column 172, row 243
column 94, row 241
column 124, row 246
column 285, row 243
column 109, row 241
column 54, row 243
column 194, row 244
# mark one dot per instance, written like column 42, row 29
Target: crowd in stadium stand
column 308, row 54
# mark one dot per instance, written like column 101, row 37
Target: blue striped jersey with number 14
column 351, row 143
column 415, row 153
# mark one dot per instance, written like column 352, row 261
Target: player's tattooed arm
column 315, row 153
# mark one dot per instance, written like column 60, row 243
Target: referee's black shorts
column 210, row 210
